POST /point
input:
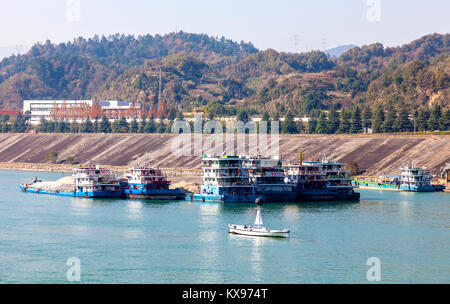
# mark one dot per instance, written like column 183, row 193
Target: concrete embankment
column 375, row 154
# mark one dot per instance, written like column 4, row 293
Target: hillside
column 376, row 154
column 198, row 69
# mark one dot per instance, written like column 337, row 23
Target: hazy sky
column 268, row 24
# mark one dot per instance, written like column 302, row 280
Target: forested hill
column 222, row 75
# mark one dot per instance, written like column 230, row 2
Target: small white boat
column 258, row 229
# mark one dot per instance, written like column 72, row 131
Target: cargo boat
column 268, row 177
column 151, row 184
column 411, row 179
column 225, row 179
column 321, row 181
column 88, row 182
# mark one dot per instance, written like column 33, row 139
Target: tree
column 105, row 125
column 332, row 121
column 142, row 124
column 367, row 119
column 20, row 124
column 70, row 160
column 87, row 126
column 388, row 124
column 150, row 126
column 353, row 168
column 321, row 127
column 289, row 126
column 43, row 125
column 123, row 126
column 74, row 127
column 62, row 127
column 96, row 125
column 242, row 115
column 134, row 128
column 265, row 117
column 52, row 156
column 402, row 122
column 435, row 116
column 378, row 120
column 445, row 121
column 356, row 123
column 422, row 120
column 344, row 124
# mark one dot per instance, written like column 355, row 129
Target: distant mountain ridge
column 339, row 50
column 6, row 51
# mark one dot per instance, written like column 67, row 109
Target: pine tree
column 402, row 122
column 74, row 127
column 445, row 121
column 367, row 119
column 356, row 123
column 422, row 120
column 123, row 126
column 150, row 127
column 142, row 124
column 134, row 128
column 87, row 126
column 96, row 125
column 378, row 120
column 289, row 126
column 105, row 125
column 321, row 127
column 388, row 124
column 51, row 127
column 20, row 124
column 344, row 124
column 332, row 121
column 435, row 116
column 265, row 117
column 43, row 125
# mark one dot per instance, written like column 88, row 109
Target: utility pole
column 160, row 85
column 324, row 44
column 296, row 40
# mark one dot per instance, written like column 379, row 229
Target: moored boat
column 150, row 183
column 225, row 180
column 411, row 179
column 87, row 182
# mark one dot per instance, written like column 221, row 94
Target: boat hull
column 249, row 231
column 380, row 186
column 230, row 198
column 155, row 194
column 89, row 194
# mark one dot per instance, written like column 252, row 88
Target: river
column 122, row 241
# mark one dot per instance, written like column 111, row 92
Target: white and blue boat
column 88, row 182
column 150, row 183
column 225, row 179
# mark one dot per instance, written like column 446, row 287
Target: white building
column 113, row 109
column 42, row 108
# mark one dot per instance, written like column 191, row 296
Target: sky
column 284, row 25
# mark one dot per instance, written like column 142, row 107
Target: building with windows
column 51, row 109
column 79, row 110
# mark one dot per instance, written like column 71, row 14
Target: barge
column 150, row 184
column 411, row 179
